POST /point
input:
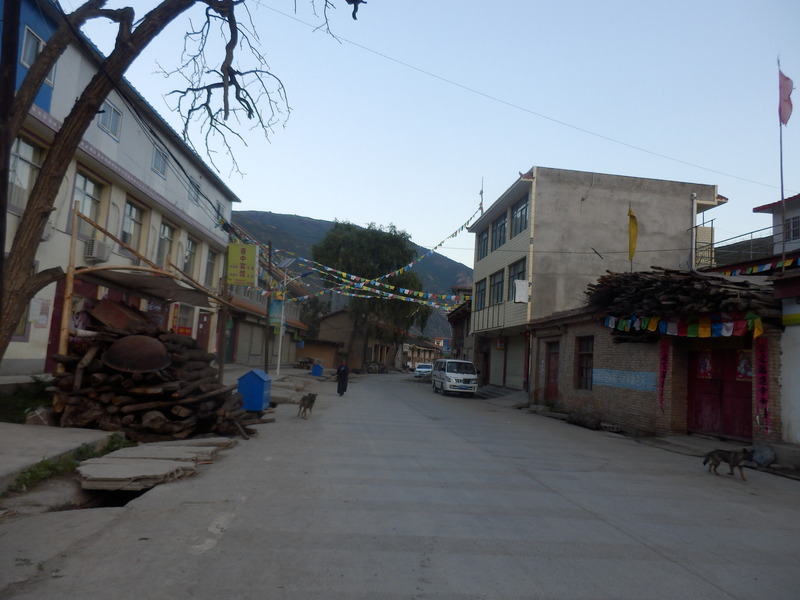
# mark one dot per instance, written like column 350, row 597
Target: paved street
column 392, row 492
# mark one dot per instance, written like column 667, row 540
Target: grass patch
column 14, row 406
column 67, row 463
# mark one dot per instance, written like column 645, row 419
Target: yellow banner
column 242, row 262
column 633, row 233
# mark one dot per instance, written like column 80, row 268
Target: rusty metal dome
column 137, row 354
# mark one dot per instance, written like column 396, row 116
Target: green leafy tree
column 311, row 312
column 370, row 253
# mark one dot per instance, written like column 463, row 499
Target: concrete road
column 391, row 492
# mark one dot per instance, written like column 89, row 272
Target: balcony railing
column 755, row 245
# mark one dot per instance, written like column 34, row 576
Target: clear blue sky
column 400, row 120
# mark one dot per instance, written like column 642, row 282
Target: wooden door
column 204, row 329
column 720, row 394
column 551, row 373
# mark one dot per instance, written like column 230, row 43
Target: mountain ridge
column 298, row 234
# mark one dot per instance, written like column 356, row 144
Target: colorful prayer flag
column 785, row 86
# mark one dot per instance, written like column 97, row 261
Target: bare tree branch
column 214, row 95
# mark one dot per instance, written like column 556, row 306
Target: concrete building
column 134, row 177
column 552, row 233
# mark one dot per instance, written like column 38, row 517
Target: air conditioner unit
column 97, row 251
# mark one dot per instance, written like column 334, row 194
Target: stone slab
column 130, row 474
column 217, row 442
column 181, row 453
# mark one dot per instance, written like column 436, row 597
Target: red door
column 551, row 373
column 720, row 394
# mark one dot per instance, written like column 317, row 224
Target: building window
column 585, row 347
column 110, row 119
column 190, row 258
column 496, row 286
column 791, row 228
column 211, row 268
column 87, row 195
column 480, row 295
column 519, row 217
column 194, row 191
column 166, row 235
column 483, row 244
column 499, row 232
column 32, row 45
column 516, row 272
column 26, row 161
column 132, row 226
column 159, row 161
column 185, row 319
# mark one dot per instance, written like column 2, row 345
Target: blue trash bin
column 316, row 370
column 255, row 388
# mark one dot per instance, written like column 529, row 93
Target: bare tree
column 214, row 91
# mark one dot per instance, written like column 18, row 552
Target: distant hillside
column 298, row 234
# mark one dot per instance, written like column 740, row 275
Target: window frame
column 584, row 361
column 519, row 216
column 30, row 34
column 166, row 243
column 210, row 280
column 516, row 271
column 194, row 191
column 791, row 228
column 86, row 231
column 190, row 256
column 482, row 244
column 105, row 120
column 496, row 287
column 480, row 295
column 33, row 172
column 499, row 231
column 159, row 162
column 135, row 244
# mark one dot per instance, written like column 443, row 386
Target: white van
column 450, row 375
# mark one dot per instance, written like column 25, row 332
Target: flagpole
column 783, row 202
column 783, row 197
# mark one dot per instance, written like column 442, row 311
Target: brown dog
column 734, row 458
column 306, row 405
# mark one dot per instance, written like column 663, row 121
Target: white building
column 137, row 180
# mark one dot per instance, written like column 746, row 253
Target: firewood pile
column 671, row 293
column 148, row 383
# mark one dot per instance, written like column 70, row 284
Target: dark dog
column 306, row 405
column 734, row 458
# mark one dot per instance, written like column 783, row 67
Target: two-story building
column 555, row 231
column 152, row 197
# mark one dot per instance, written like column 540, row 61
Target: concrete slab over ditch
column 147, row 465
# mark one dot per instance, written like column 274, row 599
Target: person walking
column 342, row 373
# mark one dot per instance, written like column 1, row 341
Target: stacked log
column 672, row 293
column 181, row 397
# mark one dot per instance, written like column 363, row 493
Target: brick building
column 675, row 371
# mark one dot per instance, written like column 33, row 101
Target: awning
column 154, row 287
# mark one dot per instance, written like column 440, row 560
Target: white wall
column 581, row 231
column 790, row 374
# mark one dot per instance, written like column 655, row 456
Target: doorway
column 721, row 393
